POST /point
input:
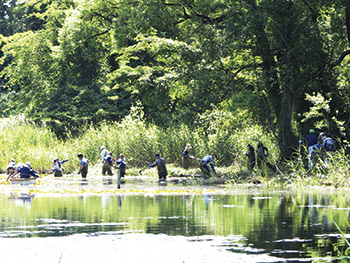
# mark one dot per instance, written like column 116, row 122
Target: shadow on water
column 284, row 224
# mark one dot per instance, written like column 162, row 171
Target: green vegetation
column 138, row 141
column 282, row 66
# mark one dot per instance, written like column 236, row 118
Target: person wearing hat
column 107, row 164
column 203, row 165
column 328, row 143
column 57, row 167
column 186, row 157
column 103, row 152
column 25, row 171
column 161, row 167
column 84, row 165
column 121, row 166
column 251, row 157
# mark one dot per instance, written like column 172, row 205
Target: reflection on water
column 283, row 224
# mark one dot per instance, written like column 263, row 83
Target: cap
column 80, row 155
column 28, row 163
column 54, row 160
column 188, row 146
column 102, row 148
column 311, row 131
column 322, row 134
column 12, row 161
column 156, row 155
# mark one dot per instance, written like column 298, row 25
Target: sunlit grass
column 138, row 141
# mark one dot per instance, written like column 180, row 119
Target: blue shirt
column 209, row 159
column 310, row 139
column 108, row 160
column 58, row 165
column 121, row 162
column 316, row 148
column 26, row 172
column 156, row 162
column 84, row 162
column 186, row 153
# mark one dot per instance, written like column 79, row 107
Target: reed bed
column 25, row 141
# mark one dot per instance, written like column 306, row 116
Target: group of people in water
column 25, row 171
column 260, row 159
column 316, row 148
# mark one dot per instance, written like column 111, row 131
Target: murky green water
column 296, row 225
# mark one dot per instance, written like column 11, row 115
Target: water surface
column 253, row 225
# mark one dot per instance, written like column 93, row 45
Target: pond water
column 180, row 223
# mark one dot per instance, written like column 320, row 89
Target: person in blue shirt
column 103, row 152
column 317, row 152
column 107, row 164
column 25, row 171
column 309, row 141
column 186, row 157
column 161, row 167
column 121, row 162
column 84, row 165
column 57, row 167
column 203, row 165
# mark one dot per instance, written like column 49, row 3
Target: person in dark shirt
column 203, row 165
column 251, row 157
column 161, row 167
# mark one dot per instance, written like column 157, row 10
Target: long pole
column 118, row 178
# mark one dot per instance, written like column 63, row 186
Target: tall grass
column 334, row 172
column 137, row 140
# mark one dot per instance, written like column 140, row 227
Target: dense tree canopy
column 72, row 61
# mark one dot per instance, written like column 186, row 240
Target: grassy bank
column 138, row 141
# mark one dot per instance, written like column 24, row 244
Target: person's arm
column 121, row 163
column 64, row 161
column 11, row 176
column 34, row 174
column 153, row 164
column 81, row 168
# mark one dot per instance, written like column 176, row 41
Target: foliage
column 73, row 63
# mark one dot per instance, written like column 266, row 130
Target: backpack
column 329, row 145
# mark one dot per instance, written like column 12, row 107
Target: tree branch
column 332, row 65
column 100, row 34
